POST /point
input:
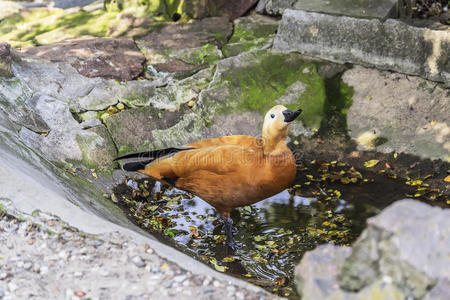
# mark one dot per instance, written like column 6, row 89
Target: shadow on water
column 329, row 203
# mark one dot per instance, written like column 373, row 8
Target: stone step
column 380, row 9
column 390, row 45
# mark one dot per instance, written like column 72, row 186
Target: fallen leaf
column 447, row 179
column 371, row 163
column 387, row 165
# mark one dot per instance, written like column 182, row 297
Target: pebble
column 27, row 266
column 2, row 294
column 216, row 283
column 239, row 295
column 3, row 275
column 137, row 260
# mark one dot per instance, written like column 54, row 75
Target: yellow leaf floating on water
column 371, row 163
column 447, row 179
column 345, row 180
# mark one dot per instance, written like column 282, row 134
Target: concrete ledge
column 390, row 45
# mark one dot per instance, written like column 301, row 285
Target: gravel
column 46, row 259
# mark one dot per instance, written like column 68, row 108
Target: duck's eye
column 272, row 116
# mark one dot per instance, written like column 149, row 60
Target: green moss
column 249, row 35
column 258, row 85
column 207, row 54
column 126, row 149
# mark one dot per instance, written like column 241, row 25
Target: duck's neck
column 274, row 145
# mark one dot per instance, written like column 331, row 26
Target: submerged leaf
column 371, row 163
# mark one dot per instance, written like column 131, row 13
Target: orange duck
column 229, row 171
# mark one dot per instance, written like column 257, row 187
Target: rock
column 250, row 33
column 13, row 96
column 367, row 42
column 316, row 275
column 183, row 48
column 395, row 112
column 199, row 9
column 5, row 60
column 362, row 9
column 132, row 129
column 116, row 58
column 61, row 81
column 233, row 9
column 403, row 254
column 91, row 122
column 137, row 260
column 408, row 242
column 93, row 147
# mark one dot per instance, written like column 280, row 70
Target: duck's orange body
column 231, row 171
column 227, row 172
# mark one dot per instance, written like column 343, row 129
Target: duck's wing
column 223, row 159
column 239, row 140
column 146, row 157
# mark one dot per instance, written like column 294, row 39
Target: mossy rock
column 250, row 33
column 258, row 80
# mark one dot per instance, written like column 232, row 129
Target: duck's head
column 276, row 124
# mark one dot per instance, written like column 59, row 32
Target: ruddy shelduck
column 229, row 171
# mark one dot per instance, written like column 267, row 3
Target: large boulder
column 396, row 112
column 403, row 254
column 116, row 58
column 251, row 33
column 66, row 138
column 381, row 9
column 390, row 45
column 185, row 48
column 63, row 82
column 233, row 9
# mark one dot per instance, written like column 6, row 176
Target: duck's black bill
column 290, row 115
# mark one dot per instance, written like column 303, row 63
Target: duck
column 229, row 171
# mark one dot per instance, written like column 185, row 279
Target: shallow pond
column 329, row 203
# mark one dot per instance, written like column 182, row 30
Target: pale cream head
column 276, row 126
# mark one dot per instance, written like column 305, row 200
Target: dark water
column 329, row 203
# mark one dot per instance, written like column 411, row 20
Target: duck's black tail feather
column 136, row 166
column 150, row 155
column 155, row 153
